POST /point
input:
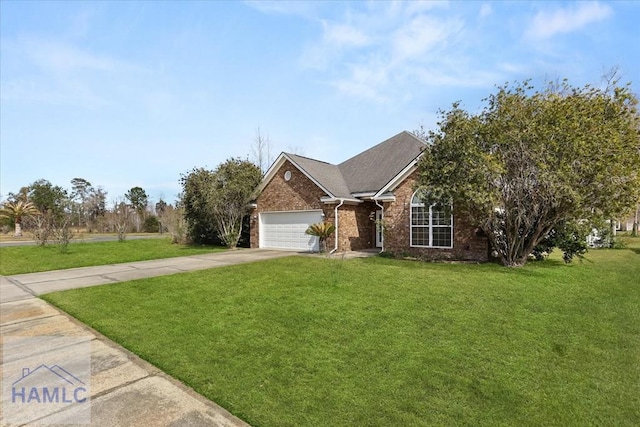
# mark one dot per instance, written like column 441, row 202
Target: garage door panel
column 286, row 230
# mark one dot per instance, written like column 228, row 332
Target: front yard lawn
column 316, row 342
column 31, row 259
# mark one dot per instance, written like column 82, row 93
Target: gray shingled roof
column 368, row 171
column 372, row 169
column 326, row 174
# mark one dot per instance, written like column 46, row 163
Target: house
column 628, row 224
column 371, row 200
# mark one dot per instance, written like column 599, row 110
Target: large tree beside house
column 533, row 159
column 235, row 184
column 216, row 202
column 196, row 199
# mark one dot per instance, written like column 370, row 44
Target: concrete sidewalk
column 125, row 390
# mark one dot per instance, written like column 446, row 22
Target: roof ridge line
column 308, row 158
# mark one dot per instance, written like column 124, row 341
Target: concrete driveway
column 58, row 280
column 124, row 390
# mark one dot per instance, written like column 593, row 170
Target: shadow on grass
column 549, row 263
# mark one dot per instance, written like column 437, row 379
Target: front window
column 431, row 226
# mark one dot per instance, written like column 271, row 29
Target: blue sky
column 129, row 94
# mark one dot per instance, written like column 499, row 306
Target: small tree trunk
column 514, row 262
column 612, row 227
column 18, row 231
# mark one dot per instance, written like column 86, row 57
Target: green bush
column 569, row 237
column 151, row 224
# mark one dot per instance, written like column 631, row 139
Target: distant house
column 627, row 224
column 371, row 200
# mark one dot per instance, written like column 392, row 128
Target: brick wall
column 467, row 245
column 357, row 230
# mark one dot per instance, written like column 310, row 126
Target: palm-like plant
column 322, row 230
column 17, row 211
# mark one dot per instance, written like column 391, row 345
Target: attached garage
column 286, row 230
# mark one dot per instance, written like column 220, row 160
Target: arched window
column 431, row 226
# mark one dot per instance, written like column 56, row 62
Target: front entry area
column 379, row 229
column 286, row 230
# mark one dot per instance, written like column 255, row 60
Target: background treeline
column 46, row 210
column 212, row 208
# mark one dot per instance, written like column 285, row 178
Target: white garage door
column 286, row 230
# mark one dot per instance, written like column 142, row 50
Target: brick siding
column 467, row 244
column 357, row 227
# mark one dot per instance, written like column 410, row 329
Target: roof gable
column 277, row 164
column 326, row 174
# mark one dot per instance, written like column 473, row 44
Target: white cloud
column 485, row 10
column 377, row 52
column 337, row 38
column 358, row 89
column 62, row 94
column 80, row 24
column 384, row 52
column 546, row 24
column 421, row 35
column 343, row 35
column 421, row 6
column 457, row 76
column 57, row 73
column 365, row 80
column 307, row 9
column 60, row 57
column 513, row 68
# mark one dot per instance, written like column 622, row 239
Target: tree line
column 50, row 211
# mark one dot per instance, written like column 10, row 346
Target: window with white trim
column 431, row 226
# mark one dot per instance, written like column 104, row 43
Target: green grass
column 378, row 342
column 30, row 259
